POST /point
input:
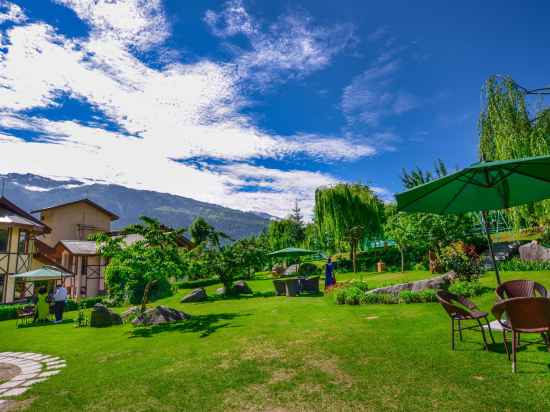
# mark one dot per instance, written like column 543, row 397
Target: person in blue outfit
column 330, row 280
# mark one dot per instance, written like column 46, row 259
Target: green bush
column 309, row 269
column 516, row 264
column 463, row 260
column 384, row 298
column 467, row 289
column 420, row 267
column 423, row 296
column 340, row 296
column 84, row 302
column 353, row 296
column 9, row 311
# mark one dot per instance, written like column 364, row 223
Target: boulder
column 242, row 288
column 102, row 316
column 534, row 251
column 220, row 291
column 131, row 313
column 160, row 315
column 196, row 295
column 438, row 282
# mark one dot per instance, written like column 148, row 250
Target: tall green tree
column 510, row 129
column 150, row 260
column 202, row 232
column 418, row 177
column 350, row 212
column 285, row 233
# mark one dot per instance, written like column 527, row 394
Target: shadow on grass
column 42, row 324
column 205, row 325
column 268, row 294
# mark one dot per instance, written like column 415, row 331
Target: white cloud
column 10, row 12
column 178, row 112
column 291, row 47
column 139, row 23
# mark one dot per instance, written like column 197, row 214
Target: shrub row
column 8, row 311
column 516, row 264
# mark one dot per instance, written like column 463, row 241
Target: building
column 17, row 231
column 67, row 244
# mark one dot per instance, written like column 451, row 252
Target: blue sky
column 252, row 104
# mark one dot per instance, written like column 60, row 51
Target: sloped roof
column 80, row 247
column 87, row 201
column 10, row 214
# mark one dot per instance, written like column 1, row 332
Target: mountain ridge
column 32, row 192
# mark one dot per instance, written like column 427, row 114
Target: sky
column 253, row 104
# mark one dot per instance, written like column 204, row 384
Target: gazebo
column 45, row 273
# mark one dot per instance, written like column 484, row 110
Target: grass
column 278, row 354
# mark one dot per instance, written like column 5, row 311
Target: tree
column 509, row 129
column 418, row 177
column 285, row 233
column 150, row 260
column 350, row 213
column 403, row 228
column 253, row 254
column 202, row 232
column 296, row 214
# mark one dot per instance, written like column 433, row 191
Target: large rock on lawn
column 102, row 316
column 242, row 288
column 438, row 282
column 196, row 295
column 534, row 251
column 160, row 315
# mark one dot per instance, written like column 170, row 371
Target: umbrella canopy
column 291, row 252
column 44, row 273
column 482, row 187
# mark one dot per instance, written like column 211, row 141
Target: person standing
column 329, row 274
column 59, row 298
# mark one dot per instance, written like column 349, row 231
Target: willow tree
column 510, row 129
column 349, row 213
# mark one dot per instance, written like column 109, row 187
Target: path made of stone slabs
column 33, row 368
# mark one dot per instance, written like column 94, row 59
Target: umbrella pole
column 490, row 243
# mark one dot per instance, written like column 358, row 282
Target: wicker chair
column 25, row 315
column 467, row 311
column 292, row 286
column 280, row 288
column 523, row 315
column 520, row 289
column 310, row 285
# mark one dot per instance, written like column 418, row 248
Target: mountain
column 32, row 192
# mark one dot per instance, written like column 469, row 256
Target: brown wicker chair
column 461, row 309
column 280, row 288
column 25, row 315
column 292, row 287
column 310, row 285
column 523, row 315
column 520, row 289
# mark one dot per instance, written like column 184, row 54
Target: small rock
column 160, row 315
column 242, row 288
column 102, row 316
column 196, row 295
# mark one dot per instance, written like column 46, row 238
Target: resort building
column 17, row 231
column 67, row 244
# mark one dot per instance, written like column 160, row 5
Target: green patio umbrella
column 482, row 187
column 292, row 252
column 43, row 273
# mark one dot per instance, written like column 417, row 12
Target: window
column 4, row 239
column 23, row 244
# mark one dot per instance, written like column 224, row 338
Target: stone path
column 33, row 368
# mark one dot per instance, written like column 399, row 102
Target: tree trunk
column 145, row 299
column 354, row 255
column 402, row 260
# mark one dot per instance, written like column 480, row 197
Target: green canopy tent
column 482, row 187
column 292, row 252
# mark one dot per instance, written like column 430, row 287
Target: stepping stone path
column 33, row 368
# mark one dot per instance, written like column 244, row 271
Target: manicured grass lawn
column 278, row 353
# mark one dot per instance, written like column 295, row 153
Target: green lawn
column 278, row 354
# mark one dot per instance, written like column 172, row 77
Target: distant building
column 17, row 230
column 67, row 244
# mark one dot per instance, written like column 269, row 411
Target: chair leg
column 483, row 334
column 452, row 334
column 490, row 331
column 515, row 339
column 505, row 343
column 460, row 330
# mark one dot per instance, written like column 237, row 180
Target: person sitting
column 42, row 305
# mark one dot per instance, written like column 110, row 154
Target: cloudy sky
column 252, row 104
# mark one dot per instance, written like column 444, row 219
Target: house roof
column 87, row 201
column 130, row 239
column 80, row 247
column 10, row 214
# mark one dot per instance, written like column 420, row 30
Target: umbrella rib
column 533, row 177
column 429, row 192
column 458, row 193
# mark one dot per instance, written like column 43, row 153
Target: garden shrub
column 84, row 303
column 423, row 296
column 463, row 260
column 9, row 311
column 467, row 289
column 516, row 264
column 353, row 296
column 374, row 298
column 309, row 269
column 340, row 296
